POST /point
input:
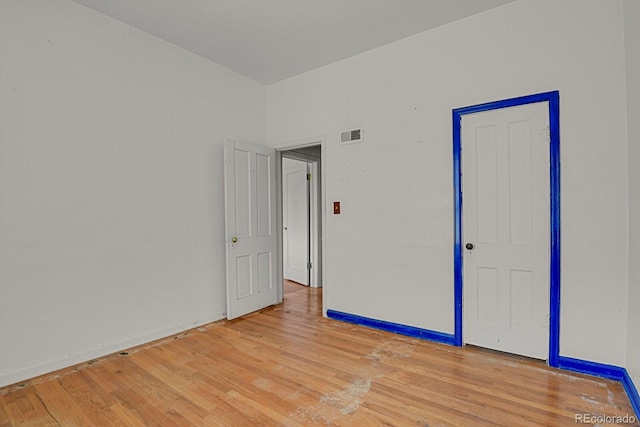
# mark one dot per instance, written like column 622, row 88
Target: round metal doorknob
column 234, row 239
column 469, row 246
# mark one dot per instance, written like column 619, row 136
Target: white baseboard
column 8, row 378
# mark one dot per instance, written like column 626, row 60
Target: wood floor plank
column 92, row 400
column 60, row 405
column 289, row 366
column 126, row 416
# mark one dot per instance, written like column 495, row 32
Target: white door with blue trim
column 505, row 229
column 250, row 222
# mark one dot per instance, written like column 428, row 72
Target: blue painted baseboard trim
column 632, row 392
column 566, row 363
column 591, row 368
column 605, row 371
column 397, row 328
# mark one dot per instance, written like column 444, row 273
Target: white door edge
column 250, row 221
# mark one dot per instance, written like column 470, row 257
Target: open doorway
column 301, row 215
column 254, row 218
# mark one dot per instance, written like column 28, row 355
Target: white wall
column 111, row 194
column 632, row 45
column 111, row 216
column 390, row 251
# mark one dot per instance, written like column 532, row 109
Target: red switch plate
column 336, row 208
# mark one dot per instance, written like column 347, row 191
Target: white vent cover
column 351, row 136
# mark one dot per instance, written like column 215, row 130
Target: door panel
column 243, row 276
column 242, row 193
column 487, row 184
column 505, row 185
column 264, row 190
column 487, row 296
column 265, row 262
column 250, row 227
column 521, row 295
column 521, row 185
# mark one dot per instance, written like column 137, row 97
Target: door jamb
column 553, row 99
column 302, row 143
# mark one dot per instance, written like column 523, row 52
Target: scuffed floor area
column 288, row 366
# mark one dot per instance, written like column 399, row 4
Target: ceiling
column 271, row 40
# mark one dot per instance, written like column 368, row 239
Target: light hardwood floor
column 289, row 366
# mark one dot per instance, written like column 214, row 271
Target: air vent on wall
column 351, row 136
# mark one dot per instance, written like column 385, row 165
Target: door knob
column 234, row 239
column 469, row 246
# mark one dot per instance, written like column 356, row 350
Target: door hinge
column 309, row 266
column 308, row 177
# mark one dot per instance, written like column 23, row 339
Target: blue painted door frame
column 553, row 98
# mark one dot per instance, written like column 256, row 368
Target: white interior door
column 250, row 221
column 505, row 187
column 295, row 219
